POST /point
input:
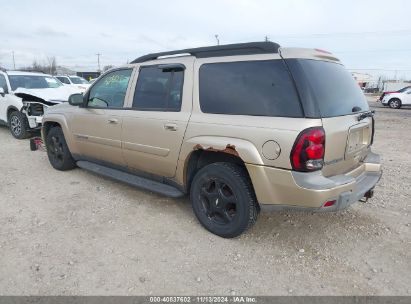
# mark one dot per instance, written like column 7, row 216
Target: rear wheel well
column 201, row 158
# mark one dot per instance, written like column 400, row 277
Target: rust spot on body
column 229, row 149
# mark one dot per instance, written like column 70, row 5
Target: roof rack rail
column 250, row 48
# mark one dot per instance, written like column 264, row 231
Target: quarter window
column 261, row 88
column 110, row 90
column 159, row 89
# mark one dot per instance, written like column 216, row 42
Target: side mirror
column 76, row 99
column 2, row 91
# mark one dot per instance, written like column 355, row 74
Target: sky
column 368, row 36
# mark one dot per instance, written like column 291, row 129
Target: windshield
column 78, row 80
column 33, row 82
column 328, row 86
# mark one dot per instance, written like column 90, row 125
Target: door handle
column 113, row 120
column 170, row 127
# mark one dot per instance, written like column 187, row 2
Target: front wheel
column 223, row 199
column 394, row 103
column 57, row 150
column 19, row 125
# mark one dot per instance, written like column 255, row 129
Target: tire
column 19, row 125
column 223, row 199
column 394, row 103
column 57, row 150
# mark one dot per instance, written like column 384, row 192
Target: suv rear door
column 157, row 116
column 331, row 93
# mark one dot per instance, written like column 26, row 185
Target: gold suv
column 237, row 127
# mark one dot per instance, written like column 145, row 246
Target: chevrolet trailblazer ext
column 237, row 127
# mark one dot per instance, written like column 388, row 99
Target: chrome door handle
column 170, row 127
column 113, row 120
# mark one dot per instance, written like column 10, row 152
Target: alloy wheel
column 15, row 125
column 218, row 201
column 394, row 103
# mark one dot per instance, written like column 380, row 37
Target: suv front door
column 155, row 123
column 97, row 126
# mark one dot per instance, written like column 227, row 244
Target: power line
column 372, row 51
column 377, row 69
column 398, row 32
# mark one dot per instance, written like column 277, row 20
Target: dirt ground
column 75, row 233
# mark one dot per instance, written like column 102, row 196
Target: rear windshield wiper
column 365, row 115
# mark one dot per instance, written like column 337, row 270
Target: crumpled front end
column 34, row 108
column 34, row 112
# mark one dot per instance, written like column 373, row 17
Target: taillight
column 308, row 151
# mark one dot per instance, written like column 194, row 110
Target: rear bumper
column 278, row 189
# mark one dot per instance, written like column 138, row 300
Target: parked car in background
column 398, row 99
column 390, row 92
column 237, row 127
column 74, row 81
column 24, row 97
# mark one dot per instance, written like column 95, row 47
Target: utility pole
column 218, row 40
column 98, row 61
column 266, row 39
column 14, row 62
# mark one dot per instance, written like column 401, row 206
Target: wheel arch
column 58, row 120
column 10, row 110
column 395, row 98
column 201, row 151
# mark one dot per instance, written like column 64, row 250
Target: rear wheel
column 57, row 150
column 394, row 103
column 19, row 125
column 223, row 199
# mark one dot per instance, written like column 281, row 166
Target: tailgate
column 347, row 142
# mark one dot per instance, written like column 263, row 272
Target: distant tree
column 107, row 67
column 48, row 67
column 52, row 65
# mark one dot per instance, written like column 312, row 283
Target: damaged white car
column 25, row 96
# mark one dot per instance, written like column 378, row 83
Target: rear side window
column 159, row 89
column 329, row 85
column 262, row 88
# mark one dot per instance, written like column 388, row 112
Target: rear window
column 262, row 88
column 329, row 85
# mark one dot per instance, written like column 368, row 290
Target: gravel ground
column 75, row 233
